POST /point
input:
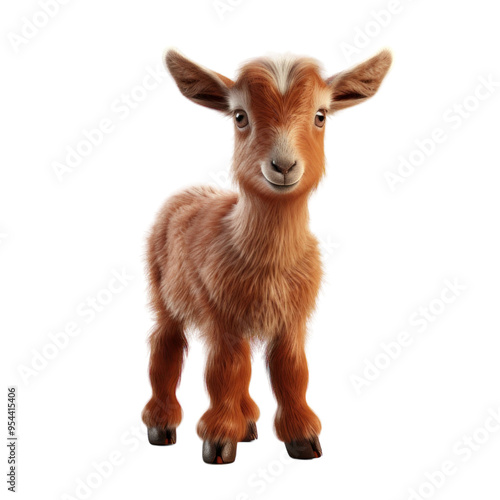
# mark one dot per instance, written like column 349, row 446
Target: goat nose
column 283, row 166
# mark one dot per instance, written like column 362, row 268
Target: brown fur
column 244, row 266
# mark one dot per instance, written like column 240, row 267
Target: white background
column 386, row 252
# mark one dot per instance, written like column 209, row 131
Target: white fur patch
column 324, row 99
column 281, row 69
column 239, row 99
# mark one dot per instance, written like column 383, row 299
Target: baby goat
column 243, row 266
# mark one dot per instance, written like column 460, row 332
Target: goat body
column 245, row 266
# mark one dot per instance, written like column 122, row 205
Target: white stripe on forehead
column 281, row 69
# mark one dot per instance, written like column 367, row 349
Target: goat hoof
column 304, row 449
column 162, row 436
column 251, row 432
column 219, row 453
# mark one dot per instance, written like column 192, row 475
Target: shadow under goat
column 244, row 266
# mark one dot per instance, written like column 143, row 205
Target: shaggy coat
column 243, row 266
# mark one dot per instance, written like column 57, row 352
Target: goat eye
column 319, row 119
column 241, row 118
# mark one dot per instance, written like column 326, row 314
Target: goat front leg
column 232, row 413
column 295, row 423
column 163, row 412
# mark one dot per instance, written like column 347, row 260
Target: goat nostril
column 281, row 169
column 276, row 166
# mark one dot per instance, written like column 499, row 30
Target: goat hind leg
column 248, row 406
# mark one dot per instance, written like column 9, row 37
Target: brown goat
column 244, row 266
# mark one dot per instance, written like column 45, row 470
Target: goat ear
column 357, row 84
column 199, row 84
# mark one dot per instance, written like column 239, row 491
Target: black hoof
column 251, row 432
column 219, row 453
column 162, row 436
column 304, row 449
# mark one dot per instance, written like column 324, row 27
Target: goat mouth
column 282, row 187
